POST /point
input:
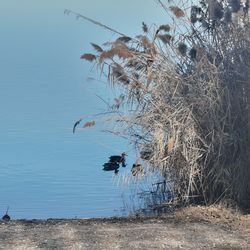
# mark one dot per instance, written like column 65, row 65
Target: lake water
column 45, row 170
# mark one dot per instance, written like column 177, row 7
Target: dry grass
column 186, row 98
column 216, row 214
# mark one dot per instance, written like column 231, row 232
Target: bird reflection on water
column 111, row 166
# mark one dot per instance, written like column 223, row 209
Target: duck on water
column 114, row 163
column 120, row 159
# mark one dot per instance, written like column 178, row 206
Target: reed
column 186, row 89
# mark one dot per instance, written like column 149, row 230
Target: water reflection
column 45, row 171
column 111, row 166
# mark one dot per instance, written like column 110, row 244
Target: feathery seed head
column 166, row 38
column 144, row 27
column 119, row 74
column 235, row 5
column 88, row 57
column 228, row 15
column 124, row 39
column 195, row 11
column 193, row 53
column 97, row 47
column 215, row 10
column 182, row 48
column 164, row 27
column 177, row 11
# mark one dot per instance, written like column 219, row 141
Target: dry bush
column 215, row 214
column 185, row 87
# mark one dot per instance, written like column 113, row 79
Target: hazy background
column 45, row 170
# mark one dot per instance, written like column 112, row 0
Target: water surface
column 45, row 170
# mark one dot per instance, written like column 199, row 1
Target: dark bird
column 76, row 124
column 120, row 159
column 111, row 166
column 6, row 217
column 137, row 169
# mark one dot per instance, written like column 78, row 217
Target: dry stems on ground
column 216, row 214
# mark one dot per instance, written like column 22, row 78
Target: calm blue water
column 45, row 170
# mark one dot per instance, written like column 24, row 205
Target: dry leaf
column 170, row 144
column 89, row 124
column 97, row 47
column 166, row 38
column 88, row 57
column 177, row 11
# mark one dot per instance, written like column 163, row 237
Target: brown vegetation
column 216, row 214
column 186, row 87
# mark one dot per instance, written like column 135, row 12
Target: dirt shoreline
column 186, row 229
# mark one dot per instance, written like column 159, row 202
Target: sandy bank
column 192, row 228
